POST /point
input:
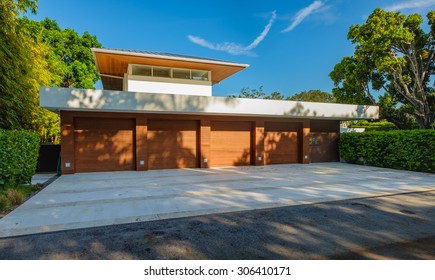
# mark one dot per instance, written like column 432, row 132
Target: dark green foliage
column 70, row 59
column 18, row 156
column 307, row 96
column 47, row 125
column 399, row 149
column 34, row 54
column 250, row 93
column 394, row 54
column 374, row 126
column 17, row 74
column 402, row 116
column 313, row 96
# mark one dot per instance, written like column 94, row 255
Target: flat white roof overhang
column 70, row 99
column 112, row 64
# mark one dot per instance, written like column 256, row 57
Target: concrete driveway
column 108, row 198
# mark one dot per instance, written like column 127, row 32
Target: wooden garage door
column 172, row 144
column 324, row 146
column 324, row 137
column 281, row 143
column 103, row 144
column 230, row 143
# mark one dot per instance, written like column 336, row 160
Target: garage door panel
column 104, row 145
column 231, row 126
column 230, row 143
column 324, row 146
column 281, row 143
column 172, row 144
column 172, row 125
column 281, row 147
column 103, row 124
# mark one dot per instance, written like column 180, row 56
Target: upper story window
column 140, row 70
column 199, row 75
column 166, row 72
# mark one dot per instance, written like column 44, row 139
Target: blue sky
column 291, row 46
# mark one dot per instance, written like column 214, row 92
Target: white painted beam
column 58, row 99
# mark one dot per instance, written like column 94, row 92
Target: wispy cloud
column 411, row 4
column 303, row 13
column 235, row 48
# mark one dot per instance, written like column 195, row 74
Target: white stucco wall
column 57, row 99
column 168, row 88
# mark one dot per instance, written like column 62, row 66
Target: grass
column 12, row 197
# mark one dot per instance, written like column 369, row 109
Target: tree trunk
column 425, row 122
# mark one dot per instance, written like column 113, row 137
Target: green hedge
column 400, row 149
column 18, row 156
column 374, row 126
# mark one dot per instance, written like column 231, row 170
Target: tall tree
column 71, row 60
column 34, row 54
column 275, row 96
column 308, row 96
column 313, row 96
column 18, row 75
column 68, row 60
column 393, row 54
column 246, row 92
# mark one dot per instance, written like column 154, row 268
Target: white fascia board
column 169, row 88
column 200, row 60
column 58, row 99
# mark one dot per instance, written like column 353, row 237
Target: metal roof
column 166, row 55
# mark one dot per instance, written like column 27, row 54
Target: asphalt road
column 387, row 227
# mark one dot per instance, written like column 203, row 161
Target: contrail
column 235, row 48
column 303, row 13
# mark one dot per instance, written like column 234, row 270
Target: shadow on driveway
column 87, row 200
column 342, row 229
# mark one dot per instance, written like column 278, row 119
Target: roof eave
column 109, row 51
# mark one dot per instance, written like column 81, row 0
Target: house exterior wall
column 311, row 129
column 168, row 87
column 58, row 99
column 180, row 145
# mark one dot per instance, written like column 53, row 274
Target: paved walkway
column 42, row 178
column 97, row 199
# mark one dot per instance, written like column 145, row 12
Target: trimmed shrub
column 18, row 156
column 374, row 126
column 399, row 149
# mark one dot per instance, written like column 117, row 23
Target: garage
column 281, row 143
column 324, row 138
column 172, row 144
column 230, row 143
column 103, row 144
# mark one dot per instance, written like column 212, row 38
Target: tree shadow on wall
column 172, row 149
column 104, row 150
column 246, row 158
column 141, row 102
column 281, row 147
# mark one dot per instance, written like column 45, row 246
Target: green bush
column 18, row 156
column 374, row 126
column 400, row 149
